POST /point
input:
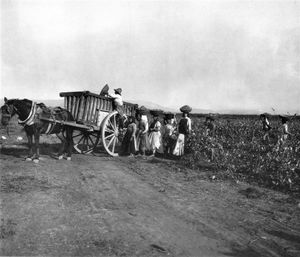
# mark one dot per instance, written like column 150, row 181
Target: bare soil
column 96, row 205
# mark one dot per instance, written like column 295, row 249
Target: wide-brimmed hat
column 186, row 109
column 156, row 112
column 118, row 90
column 169, row 115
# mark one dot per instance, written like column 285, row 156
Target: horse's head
column 7, row 111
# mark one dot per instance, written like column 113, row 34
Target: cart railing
column 89, row 108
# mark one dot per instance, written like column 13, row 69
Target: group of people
column 166, row 137
column 266, row 126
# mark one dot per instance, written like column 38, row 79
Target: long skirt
column 169, row 143
column 179, row 146
column 129, row 146
column 155, row 141
column 143, row 143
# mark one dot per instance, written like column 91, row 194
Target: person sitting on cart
column 117, row 105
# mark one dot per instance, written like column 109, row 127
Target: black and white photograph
column 150, row 128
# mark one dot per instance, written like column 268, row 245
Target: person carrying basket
column 184, row 129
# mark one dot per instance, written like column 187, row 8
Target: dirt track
column 97, row 205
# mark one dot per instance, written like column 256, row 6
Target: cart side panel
column 90, row 110
column 94, row 110
column 73, row 105
column 101, row 116
column 77, row 107
column 81, row 108
column 65, row 102
column 105, row 105
column 88, row 119
column 97, row 110
column 93, row 99
column 87, row 108
column 69, row 107
column 94, row 115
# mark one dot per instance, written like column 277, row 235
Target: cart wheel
column 85, row 141
column 111, row 134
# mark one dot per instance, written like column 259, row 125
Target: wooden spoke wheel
column 85, row 141
column 112, row 135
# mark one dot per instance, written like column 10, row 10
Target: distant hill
column 151, row 105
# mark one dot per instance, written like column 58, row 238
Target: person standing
column 184, row 129
column 155, row 133
column 142, row 134
column 266, row 127
column 169, row 137
column 129, row 143
column 284, row 130
column 210, row 126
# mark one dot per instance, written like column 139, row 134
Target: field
column 239, row 151
column 201, row 205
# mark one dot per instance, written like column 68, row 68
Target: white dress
column 155, row 138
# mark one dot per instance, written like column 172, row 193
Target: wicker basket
column 186, row 109
column 142, row 110
column 156, row 112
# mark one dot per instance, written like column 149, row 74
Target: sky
column 216, row 55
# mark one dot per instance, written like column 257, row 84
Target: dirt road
column 102, row 206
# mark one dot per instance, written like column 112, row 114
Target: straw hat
column 156, row 112
column 118, row 90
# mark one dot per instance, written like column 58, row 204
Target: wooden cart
column 95, row 121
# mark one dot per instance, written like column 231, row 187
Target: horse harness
column 37, row 111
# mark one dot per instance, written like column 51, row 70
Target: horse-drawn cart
column 95, row 121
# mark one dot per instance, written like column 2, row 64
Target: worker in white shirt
column 117, row 105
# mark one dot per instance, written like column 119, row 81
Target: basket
column 265, row 114
column 142, row 110
column 156, row 112
column 169, row 115
column 186, row 109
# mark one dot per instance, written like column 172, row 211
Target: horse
column 38, row 119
